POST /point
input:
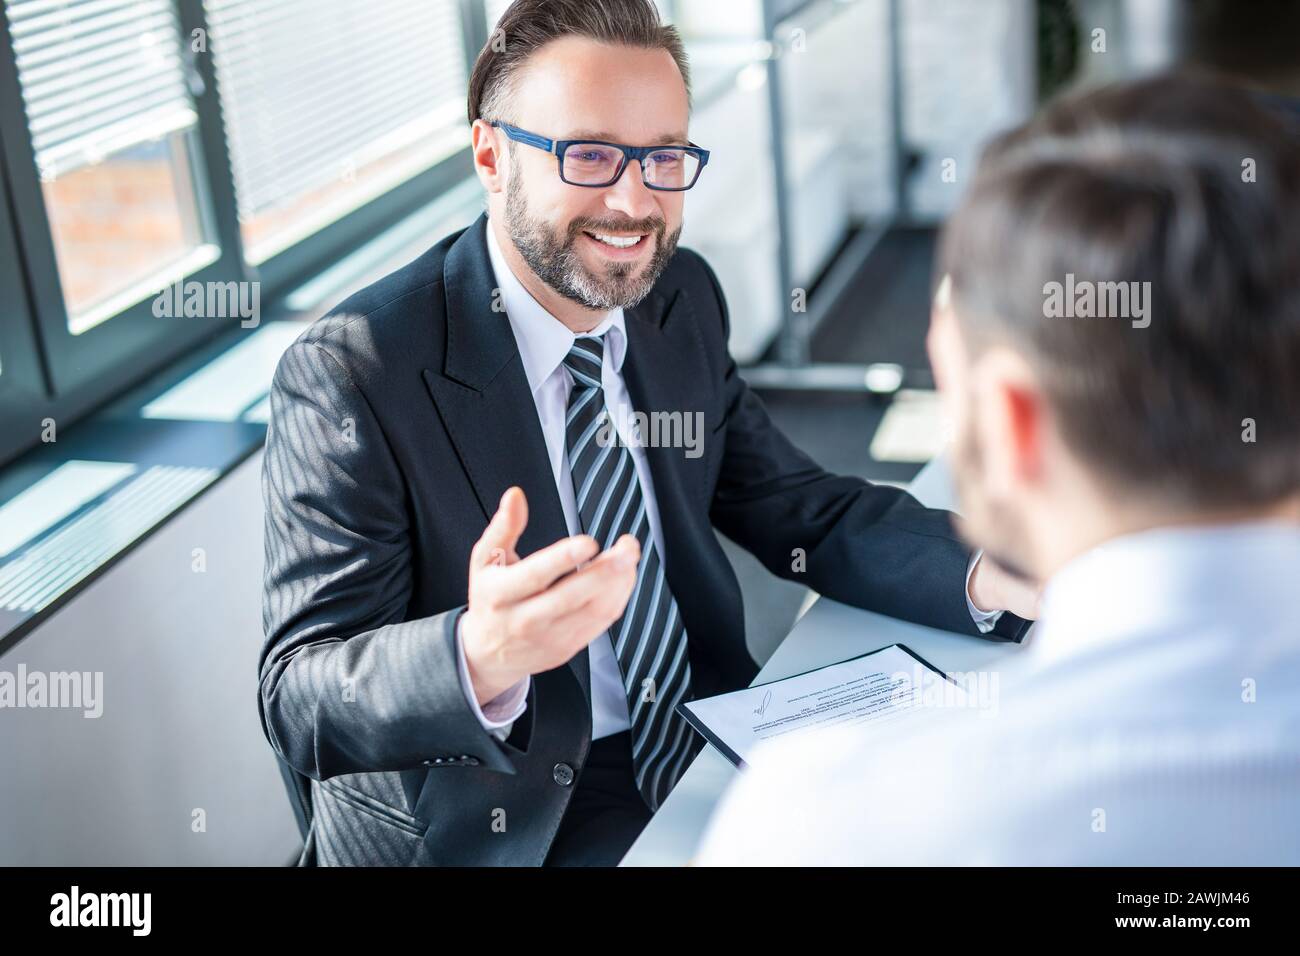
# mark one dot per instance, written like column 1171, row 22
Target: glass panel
column 966, row 74
column 119, row 223
column 838, row 130
column 112, row 126
column 730, row 216
column 330, row 103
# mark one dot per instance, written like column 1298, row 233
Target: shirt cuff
column 499, row 714
column 985, row 621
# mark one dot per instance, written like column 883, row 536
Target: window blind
column 97, row 76
column 312, row 88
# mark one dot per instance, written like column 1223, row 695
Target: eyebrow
column 668, row 139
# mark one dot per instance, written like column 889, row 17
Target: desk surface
column 827, row 633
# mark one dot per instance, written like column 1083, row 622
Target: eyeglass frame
column 558, row 147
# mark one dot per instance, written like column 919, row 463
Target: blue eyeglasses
column 585, row 162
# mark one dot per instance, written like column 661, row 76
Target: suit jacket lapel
column 666, row 370
column 483, row 398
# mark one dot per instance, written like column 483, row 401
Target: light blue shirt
column 1153, row 719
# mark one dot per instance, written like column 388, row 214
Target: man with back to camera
column 480, row 612
column 1152, row 459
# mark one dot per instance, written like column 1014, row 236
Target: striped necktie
column 649, row 639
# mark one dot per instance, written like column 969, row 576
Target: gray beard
column 554, row 258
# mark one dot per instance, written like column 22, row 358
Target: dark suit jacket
column 397, row 422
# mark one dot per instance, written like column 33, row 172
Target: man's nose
column 630, row 195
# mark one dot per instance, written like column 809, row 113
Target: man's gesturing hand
column 522, row 618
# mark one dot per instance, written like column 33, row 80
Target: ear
column 948, row 359
column 489, row 153
column 943, row 341
column 1011, row 417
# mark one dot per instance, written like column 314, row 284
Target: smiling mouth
column 614, row 241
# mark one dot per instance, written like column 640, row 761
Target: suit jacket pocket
column 365, row 803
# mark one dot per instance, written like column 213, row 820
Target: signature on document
column 761, row 709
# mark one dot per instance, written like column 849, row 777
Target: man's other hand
column 993, row 588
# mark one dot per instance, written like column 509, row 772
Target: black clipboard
column 703, row 730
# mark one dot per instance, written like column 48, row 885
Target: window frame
column 48, row 371
column 295, row 264
column 120, row 345
column 24, row 388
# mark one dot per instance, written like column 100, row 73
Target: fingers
column 540, row 611
column 580, row 627
column 592, row 598
column 497, row 544
column 541, row 569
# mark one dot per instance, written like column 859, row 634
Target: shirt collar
column 1164, row 578
column 544, row 340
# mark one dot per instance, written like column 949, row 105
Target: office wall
column 176, row 639
column 968, row 73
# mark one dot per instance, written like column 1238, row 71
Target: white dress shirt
column 543, row 343
column 1164, row 730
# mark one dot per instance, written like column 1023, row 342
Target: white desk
column 827, row 633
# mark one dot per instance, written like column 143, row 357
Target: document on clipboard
column 873, row 688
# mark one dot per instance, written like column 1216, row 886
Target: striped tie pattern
column 649, row 639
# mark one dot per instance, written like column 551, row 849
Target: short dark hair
column 1187, row 184
column 528, row 25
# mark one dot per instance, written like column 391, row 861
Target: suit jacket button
column 563, row 774
column 472, row 761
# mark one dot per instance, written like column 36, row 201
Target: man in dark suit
column 492, row 479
